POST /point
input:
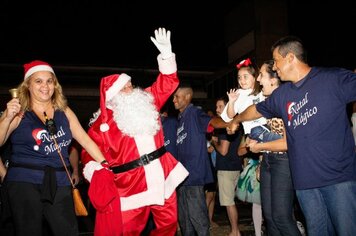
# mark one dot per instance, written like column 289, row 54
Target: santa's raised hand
column 162, row 40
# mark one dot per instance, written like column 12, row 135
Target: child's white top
column 243, row 101
column 353, row 119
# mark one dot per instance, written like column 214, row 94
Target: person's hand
column 233, row 95
column 211, row 149
column 214, row 139
column 232, row 127
column 251, row 144
column 75, row 178
column 3, row 171
column 90, row 168
column 162, row 40
column 105, row 164
column 13, row 109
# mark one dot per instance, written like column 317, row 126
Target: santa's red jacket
column 152, row 183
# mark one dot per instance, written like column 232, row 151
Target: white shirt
column 353, row 119
column 244, row 100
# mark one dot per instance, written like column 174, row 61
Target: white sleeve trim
column 167, row 66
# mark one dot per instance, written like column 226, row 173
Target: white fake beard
column 134, row 113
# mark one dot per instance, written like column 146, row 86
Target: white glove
column 162, row 41
column 89, row 169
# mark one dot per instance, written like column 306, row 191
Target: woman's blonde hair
column 58, row 99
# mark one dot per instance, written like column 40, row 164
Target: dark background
column 327, row 29
column 116, row 33
column 110, row 33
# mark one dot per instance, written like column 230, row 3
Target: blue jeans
column 192, row 211
column 330, row 210
column 263, row 134
column 277, row 195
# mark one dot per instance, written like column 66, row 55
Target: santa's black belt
column 142, row 161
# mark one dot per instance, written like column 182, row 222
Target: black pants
column 28, row 210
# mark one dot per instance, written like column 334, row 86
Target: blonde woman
column 37, row 183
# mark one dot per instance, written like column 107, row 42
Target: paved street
column 86, row 224
column 245, row 220
column 220, row 217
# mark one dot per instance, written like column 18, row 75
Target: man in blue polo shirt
column 193, row 125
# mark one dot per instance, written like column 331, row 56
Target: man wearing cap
column 129, row 133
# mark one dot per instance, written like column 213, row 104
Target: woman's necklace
column 48, row 122
column 42, row 114
column 50, row 125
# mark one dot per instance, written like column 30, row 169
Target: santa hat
column 35, row 66
column 109, row 87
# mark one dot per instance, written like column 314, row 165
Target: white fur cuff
column 89, row 169
column 167, row 66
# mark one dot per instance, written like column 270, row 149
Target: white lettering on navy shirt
column 51, row 147
column 181, row 134
column 298, row 114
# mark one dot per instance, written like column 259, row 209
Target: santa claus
column 128, row 130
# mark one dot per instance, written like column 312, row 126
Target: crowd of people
column 321, row 150
column 146, row 167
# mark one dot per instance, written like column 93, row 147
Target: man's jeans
column 330, row 210
column 192, row 211
column 263, row 134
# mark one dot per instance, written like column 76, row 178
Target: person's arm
column 242, row 149
column 74, row 163
column 2, row 171
column 217, row 122
column 82, row 137
column 233, row 96
column 167, row 81
column 229, row 110
column 9, row 120
column 279, row 145
column 250, row 113
column 221, row 146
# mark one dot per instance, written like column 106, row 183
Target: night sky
column 109, row 33
column 327, row 29
column 116, row 33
